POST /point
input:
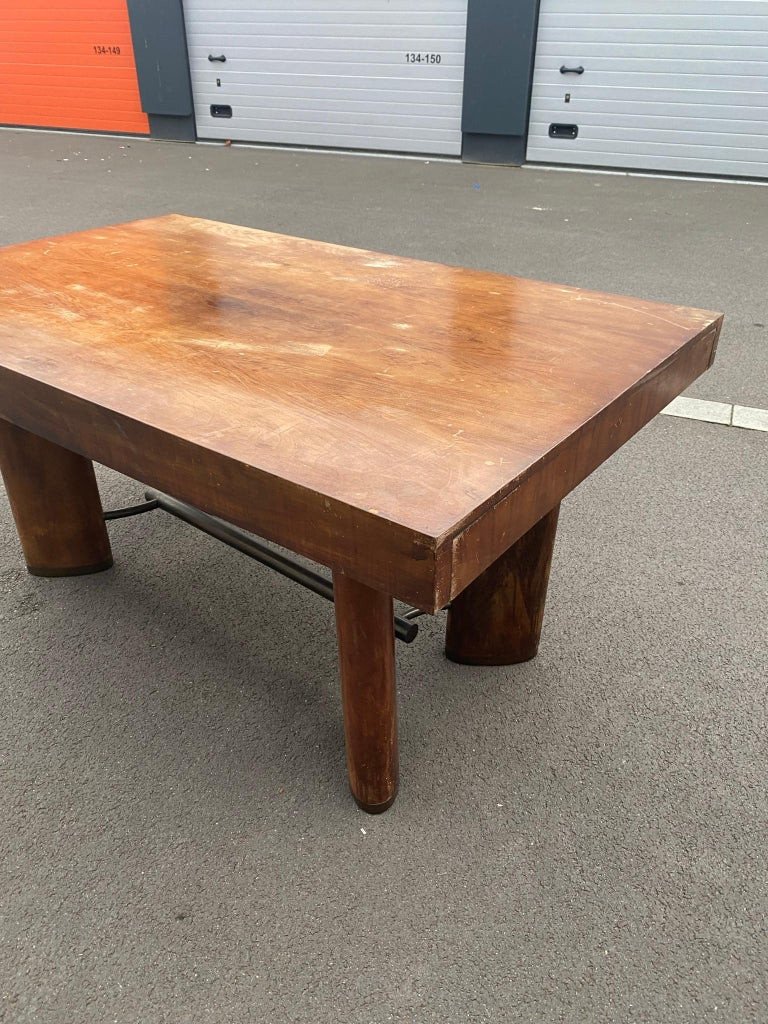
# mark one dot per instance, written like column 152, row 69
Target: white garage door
column 678, row 85
column 358, row 74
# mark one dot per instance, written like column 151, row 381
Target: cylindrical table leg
column 365, row 629
column 497, row 619
column 55, row 503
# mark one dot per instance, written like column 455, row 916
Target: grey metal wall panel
column 500, row 47
column 159, row 46
column 678, row 85
column 336, row 74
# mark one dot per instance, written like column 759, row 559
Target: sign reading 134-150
column 423, row 58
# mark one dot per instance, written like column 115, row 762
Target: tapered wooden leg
column 56, row 505
column 497, row 619
column 365, row 629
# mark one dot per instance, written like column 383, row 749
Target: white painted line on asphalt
column 718, row 412
column 752, row 419
column 698, row 409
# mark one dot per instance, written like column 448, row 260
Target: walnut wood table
column 410, row 425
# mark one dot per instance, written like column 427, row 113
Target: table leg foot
column 365, row 629
column 55, row 503
column 497, row 619
column 375, row 808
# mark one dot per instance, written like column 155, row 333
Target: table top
column 412, row 392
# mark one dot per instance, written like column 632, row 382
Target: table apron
column 382, row 555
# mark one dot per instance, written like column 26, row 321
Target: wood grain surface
column 365, row 631
column 497, row 619
column 55, row 503
column 399, row 420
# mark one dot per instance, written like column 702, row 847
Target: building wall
column 501, row 40
column 646, row 84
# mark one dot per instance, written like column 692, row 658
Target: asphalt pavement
column 580, row 839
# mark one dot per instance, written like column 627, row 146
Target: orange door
column 69, row 64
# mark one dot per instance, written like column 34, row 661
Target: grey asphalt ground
column 580, row 839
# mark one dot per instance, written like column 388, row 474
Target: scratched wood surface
column 401, row 420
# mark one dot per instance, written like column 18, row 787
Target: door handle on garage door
column 220, row 58
column 563, row 70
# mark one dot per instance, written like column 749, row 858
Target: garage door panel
column 369, row 37
column 306, row 66
column 645, row 162
column 353, row 62
column 325, row 25
column 333, row 45
column 567, row 36
column 257, row 115
column 310, row 94
column 662, row 21
column 676, row 55
column 304, row 10
column 635, row 72
column 328, row 138
column 69, row 66
column 747, row 155
column 297, row 86
column 632, row 9
column 348, row 124
column 293, row 72
column 614, row 123
column 672, row 140
column 259, row 45
column 612, row 98
column 447, row 94
column 639, row 83
column 666, row 85
column 121, row 102
column 276, row 106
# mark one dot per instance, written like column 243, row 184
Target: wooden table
column 411, row 425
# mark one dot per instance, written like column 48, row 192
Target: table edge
column 383, row 554
column 468, row 548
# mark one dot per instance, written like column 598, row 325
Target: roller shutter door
column 356, row 74
column 680, row 85
column 69, row 64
